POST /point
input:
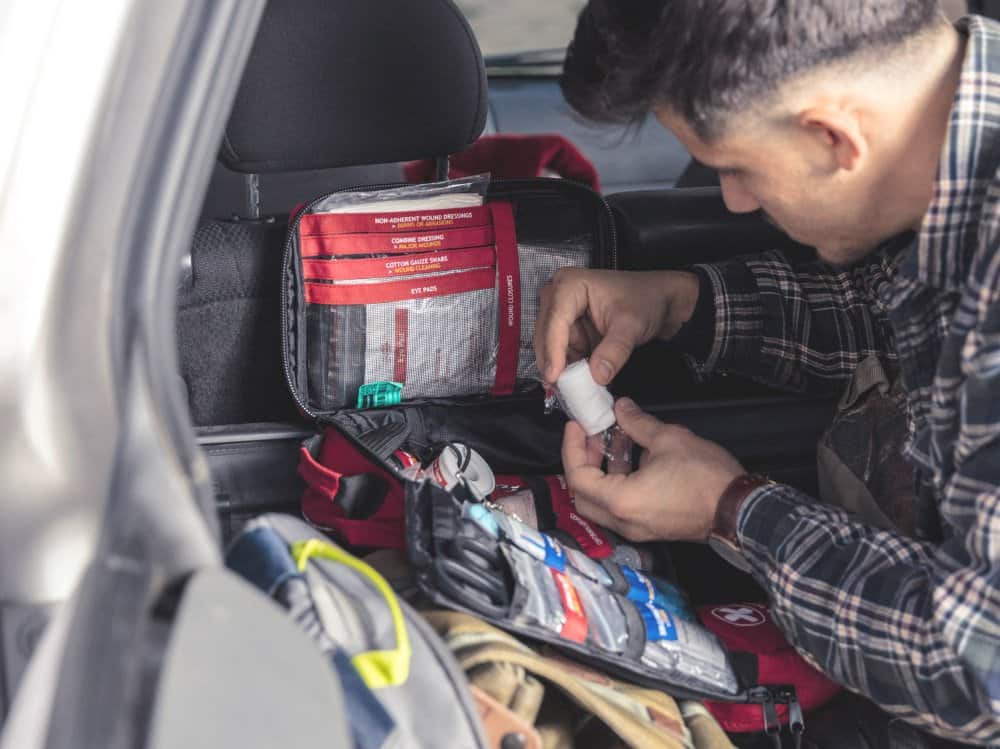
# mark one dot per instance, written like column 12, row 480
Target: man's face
column 784, row 172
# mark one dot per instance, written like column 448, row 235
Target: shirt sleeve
column 803, row 328
column 913, row 627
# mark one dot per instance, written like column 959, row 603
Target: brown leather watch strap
column 728, row 509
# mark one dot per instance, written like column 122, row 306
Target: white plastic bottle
column 593, row 407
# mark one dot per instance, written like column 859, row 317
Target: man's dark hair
column 705, row 59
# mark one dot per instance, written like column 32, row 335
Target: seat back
column 329, row 84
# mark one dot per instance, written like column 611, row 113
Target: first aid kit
column 749, row 633
column 423, row 291
column 408, row 329
column 525, row 581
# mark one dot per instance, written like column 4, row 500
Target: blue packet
column 659, row 624
column 540, row 545
column 644, row 589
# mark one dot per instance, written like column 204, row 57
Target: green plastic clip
column 380, row 394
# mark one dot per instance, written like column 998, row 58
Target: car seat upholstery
column 327, row 85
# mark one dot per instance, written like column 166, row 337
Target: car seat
column 327, row 85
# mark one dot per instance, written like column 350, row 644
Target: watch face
column 729, row 552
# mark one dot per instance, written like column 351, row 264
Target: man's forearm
column 860, row 604
column 802, row 328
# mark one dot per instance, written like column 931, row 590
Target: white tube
column 587, row 403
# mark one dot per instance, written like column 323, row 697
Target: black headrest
column 334, row 83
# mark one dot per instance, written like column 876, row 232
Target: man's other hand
column 607, row 314
column 673, row 494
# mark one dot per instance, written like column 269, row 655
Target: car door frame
column 115, row 507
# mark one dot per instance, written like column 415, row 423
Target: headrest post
column 441, row 168
column 252, row 183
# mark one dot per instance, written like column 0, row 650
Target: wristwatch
column 723, row 537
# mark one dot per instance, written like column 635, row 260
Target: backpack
column 401, row 685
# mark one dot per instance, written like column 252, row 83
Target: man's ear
column 839, row 132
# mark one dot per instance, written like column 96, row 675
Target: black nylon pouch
column 460, row 568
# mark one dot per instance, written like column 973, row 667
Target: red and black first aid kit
column 408, row 323
column 429, row 292
column 762, row 655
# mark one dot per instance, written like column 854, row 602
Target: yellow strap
column 378, row 668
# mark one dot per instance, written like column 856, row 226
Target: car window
column 514, row 26
column 524, row 43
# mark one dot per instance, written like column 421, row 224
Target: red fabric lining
column 383, row 529
column 398, row 291
column 512, row 157
column 590, row 537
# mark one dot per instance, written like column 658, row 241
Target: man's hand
column 674, row 493
column 606, row 314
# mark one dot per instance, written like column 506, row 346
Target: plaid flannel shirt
column 913, row 624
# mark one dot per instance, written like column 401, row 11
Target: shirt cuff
column 695, row 336
column 738, row 318
column 766, row 515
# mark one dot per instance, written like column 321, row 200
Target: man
column 871, row 131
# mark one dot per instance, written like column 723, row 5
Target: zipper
column 796, row 721
column 612, row 249
column 293, row 227
column 768, row 697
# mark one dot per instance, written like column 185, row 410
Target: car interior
column 339, row 95
column 228, row 316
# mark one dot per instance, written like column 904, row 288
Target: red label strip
column 575, row 626
column 509, row 288
column 393, row 244
column 389, row 267
column 399, row 291
column 364, row 223
column 590, row 537
column 401, row 339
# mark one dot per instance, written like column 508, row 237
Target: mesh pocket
column 538, row 265
column 335, row 352
column 438, row 345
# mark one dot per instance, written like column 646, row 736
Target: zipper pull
column 785, row 694
column 772, row 726
column 796, row 721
